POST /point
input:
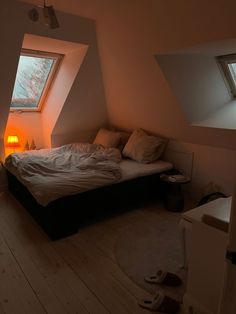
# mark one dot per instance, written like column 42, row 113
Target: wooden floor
column 78, row 274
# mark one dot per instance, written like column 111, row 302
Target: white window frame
column 52, row 74
column 224, row 63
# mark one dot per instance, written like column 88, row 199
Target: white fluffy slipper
column 165, row 278
column 161, row 303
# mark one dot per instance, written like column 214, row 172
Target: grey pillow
column 144, row 148
column 107, row 138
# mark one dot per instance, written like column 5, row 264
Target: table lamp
column 13, row 142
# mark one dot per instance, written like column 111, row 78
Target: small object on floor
column 164, row 278
column 161, row 303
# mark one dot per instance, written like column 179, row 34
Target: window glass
column 232, row 68
column 34, row 75
column 228, row 66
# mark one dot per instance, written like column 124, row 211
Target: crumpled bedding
column 70, row 169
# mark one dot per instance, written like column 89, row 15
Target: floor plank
column 59, row 277
column 93, row 244
column 16, row 294
column 90, row 273
column 78, row 274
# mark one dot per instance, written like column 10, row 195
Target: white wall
column 211, row 168
column 90, row 112
column 84, row 112
column 130, row 33
column 197, row 83
column 129, row 36
column 222, row 117
column 28, row 127
column 138, row 94
column 10, row 49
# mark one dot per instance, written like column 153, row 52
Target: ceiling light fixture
column 49, row 15
column 33, row 15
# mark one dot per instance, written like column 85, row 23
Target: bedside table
column 173, row 195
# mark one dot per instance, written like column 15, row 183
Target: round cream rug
column 150, row 243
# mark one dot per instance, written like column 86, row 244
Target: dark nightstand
column 173, row 195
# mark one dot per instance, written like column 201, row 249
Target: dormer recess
column 203, row 79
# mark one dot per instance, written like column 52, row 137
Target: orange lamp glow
column 13, row 141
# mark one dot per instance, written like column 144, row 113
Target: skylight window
column 228, row 66
column 35, row 73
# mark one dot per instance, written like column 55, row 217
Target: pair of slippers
column 160, row 302
column 164, row 278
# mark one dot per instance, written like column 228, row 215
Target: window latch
column 231, row 256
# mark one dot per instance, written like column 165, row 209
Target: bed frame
column 64, row 216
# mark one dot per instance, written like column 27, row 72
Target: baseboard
column 191, row 306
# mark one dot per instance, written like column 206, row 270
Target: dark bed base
column 64, row 216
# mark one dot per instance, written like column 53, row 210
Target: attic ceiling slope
column 10, row 50
column 134, row 83
column 81, row 106
column 199, row 85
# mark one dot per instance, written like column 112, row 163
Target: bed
column 66, row 187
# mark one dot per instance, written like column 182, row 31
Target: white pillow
column 143, row 147
column 107, row 138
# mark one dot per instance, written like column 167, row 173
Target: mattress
column 75, row 168
column 140, row 183
column 131, row 169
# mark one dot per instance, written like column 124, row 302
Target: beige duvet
column 74, row 168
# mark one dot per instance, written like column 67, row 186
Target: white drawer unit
column 208, row 245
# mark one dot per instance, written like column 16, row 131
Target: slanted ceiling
column 129, row 34
column 197, row 81
column 24, row 123
column 85, row 102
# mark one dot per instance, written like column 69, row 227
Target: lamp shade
column 13, row 141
